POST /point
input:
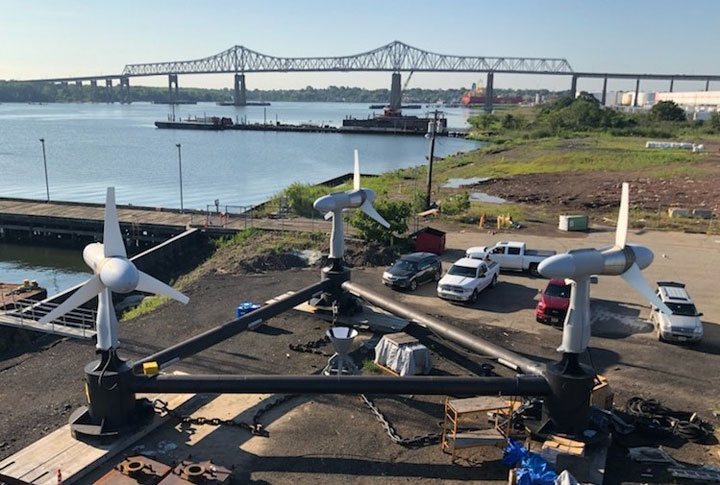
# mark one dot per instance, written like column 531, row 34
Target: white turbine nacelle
column 113, row 272
column 577, row 266
column 333, row 205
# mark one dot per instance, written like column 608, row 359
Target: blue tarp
column 532, row 469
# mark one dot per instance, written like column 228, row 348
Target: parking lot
column 623, row 346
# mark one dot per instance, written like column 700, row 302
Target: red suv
column 554, row 302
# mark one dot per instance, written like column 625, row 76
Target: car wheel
column 474, row 297
column 534, row 271
column 413, row 285
column 493, row 283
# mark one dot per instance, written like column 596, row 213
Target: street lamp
column 47, row 186
column 179, row 147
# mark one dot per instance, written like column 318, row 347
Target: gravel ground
column 321, row 438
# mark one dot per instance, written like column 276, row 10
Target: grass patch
column 370, row 367
column 147, row 305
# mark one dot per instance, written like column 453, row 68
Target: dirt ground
column 584, row 190
column 315, row 439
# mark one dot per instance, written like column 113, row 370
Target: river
column 92, row 146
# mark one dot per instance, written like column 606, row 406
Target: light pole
column 47, row 185
column 432, row 133
column 179, row 147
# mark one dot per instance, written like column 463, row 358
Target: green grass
column 147, row 305
column 237, row 238
column 370, row 367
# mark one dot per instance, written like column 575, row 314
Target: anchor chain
column 254, row 426
column 414, row 442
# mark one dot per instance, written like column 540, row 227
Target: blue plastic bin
column 245, row 307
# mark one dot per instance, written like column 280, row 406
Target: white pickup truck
column 512, row 255
column 466, row 278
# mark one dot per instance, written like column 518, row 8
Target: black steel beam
column 424, row 385
column 216, row 335
column 450, row 332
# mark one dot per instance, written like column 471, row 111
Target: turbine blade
column 149, row 284
column 356, row 174
column 636, row 279
column 622, row 222
column 113, row 244
column 328, row 215
column 368, row 209
column 87, row 291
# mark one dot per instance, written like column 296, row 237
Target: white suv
column 684, row 324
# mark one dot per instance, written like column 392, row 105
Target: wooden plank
column 39, row 462
column 478, row 404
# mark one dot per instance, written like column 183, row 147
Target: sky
column 57, row 38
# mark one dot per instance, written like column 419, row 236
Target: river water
column 92, row 146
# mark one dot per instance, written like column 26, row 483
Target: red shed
column 429, row 240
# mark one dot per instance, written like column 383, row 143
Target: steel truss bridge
column 395, row 57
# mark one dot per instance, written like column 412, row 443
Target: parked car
column 466, row 279
column 411, row 270
column 684, row 324
column 554, row 302
column 512, row 255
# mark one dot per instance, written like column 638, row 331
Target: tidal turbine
column 578, row 265
column 108, row 414
column 113, row 273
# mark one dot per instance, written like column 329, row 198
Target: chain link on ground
column 414, row 442
column 312, row 347
column 254, row 426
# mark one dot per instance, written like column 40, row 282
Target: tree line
column 21, row 92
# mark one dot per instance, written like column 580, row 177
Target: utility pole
column 47, row 185
column 431, row 133
column 179, row 147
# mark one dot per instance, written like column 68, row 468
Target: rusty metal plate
column 136, row 470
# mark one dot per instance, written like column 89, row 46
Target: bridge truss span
column 395, row 57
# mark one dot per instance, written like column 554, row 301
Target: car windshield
column 685, row 309
column 456, row 270
column 557, row 290
column 405, row 265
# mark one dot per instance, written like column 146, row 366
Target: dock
column 75, row 224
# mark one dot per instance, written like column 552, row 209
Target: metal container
column 573, row 223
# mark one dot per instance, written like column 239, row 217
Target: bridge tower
column 108, row 90
column 395, row 92
column 125, row 89
column 573, row 86
column 173, row 80
column 489, row 93
column 240, row 93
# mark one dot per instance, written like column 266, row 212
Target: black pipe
column 450, row 332
column 216, row 335
column 426, row 385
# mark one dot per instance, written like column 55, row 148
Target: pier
column 75, row 224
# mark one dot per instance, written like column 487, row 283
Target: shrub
column 395, row 212
column 300, row 197
column 455, row 204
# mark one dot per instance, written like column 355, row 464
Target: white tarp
column 406, row 360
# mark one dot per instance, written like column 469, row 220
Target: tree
column 715, row 122
column 395, row 212
column 667, row 111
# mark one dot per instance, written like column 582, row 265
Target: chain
column 312, row 347
column 254, row 427
column 414, row 442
